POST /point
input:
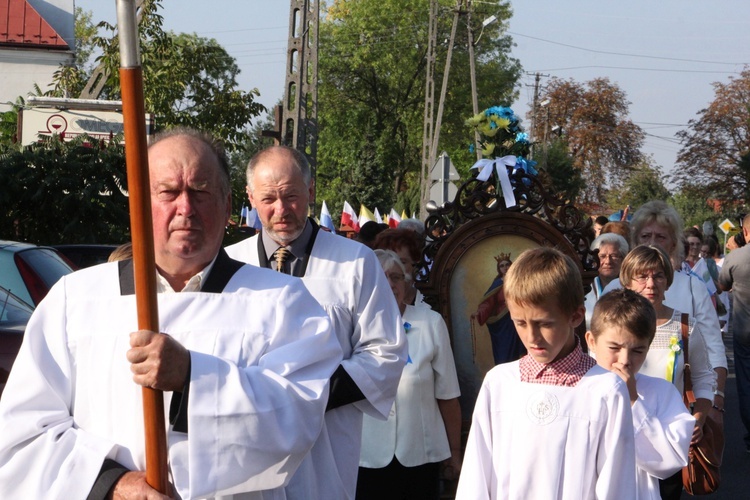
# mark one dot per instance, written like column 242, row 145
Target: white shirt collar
column 194, row 284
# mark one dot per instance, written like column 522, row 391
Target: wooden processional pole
column 141, row 226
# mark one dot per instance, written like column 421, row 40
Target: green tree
column 641, row 185
column 744, row 167
column 371, row 91
column 691, row 204
column 370, row 181
column 714, row 143
column 70, row 79
column 9, row 123
column 188, row 80
column 252, row 141
column 592, row 118
column 64, row 192
column 557, row 164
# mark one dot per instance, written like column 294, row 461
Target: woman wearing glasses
column 612, row 249
column 656, row 223
column 648, row 271
column 401, row 457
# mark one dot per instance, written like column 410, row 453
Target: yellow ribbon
column 675, row 347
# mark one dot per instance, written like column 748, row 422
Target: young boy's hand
column 626, row 374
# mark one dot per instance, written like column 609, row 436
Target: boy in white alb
column 622, row 328
column 551, row 425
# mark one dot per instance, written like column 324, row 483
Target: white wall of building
column 20, row 69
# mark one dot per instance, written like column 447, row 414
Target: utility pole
column 431, row 135
column 429, row 103
column 473, row 74
column 444, row 88
column 535, row 106
column 299, row 123
column 433, row 144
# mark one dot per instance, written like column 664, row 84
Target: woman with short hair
column 401, row 457
column 647, row 270
column 612, row 249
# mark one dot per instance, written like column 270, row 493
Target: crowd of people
column 298, row 364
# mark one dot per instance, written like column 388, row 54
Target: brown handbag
column 702, row 474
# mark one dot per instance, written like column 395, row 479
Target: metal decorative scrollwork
column 477, row 198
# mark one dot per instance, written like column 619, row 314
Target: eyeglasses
column 612, row 257
column 395, row 278
column 642, row 279
column 695, row 243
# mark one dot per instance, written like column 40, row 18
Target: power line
column 664, row 124
column 644, row 69
column 585, row 49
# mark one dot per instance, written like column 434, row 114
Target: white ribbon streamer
column 499, row 164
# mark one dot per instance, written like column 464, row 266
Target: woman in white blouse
column 648, row 271
column 401, row 457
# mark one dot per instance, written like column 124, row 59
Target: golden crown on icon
column 502, row 257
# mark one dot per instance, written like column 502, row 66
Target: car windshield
column 13, row 311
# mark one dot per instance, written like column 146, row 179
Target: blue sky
column 664, row 54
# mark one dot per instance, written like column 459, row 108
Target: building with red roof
column 36, row 37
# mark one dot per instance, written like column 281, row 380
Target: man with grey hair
column 735, row 276
column 245, row 383
column 346, row 279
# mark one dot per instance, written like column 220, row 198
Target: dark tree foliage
column 592, row 117
column 716, row 142
column 188, row 80
column 370, row 182
column 64, row 192
column 557, row 167
column 643, row 184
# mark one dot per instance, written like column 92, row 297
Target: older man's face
column 189, row 205
column 281, row 197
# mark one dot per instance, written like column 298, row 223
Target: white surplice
column 258, row 387
column 545, row 442
column 663, row 429
column 347, row 280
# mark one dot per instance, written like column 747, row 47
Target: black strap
column 127, row 277
column 300, row 269
column 343, row 390
column 109, row 474
column 687, row 377
column 222, row 271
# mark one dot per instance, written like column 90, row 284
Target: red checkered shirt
column 567, row 371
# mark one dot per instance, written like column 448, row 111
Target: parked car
column 29, row 271
column 86, row 255
column 14, row 314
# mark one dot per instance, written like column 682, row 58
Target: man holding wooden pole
column 244, row 381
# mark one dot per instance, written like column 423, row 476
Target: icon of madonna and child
column 492, row 311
